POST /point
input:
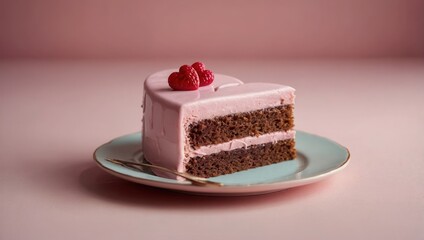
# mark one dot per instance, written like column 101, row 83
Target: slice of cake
column 220, row 128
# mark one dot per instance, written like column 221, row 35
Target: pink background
column 71, row 77
column 53, row 114
column 222, row 28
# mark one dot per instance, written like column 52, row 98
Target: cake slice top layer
column 226, row 95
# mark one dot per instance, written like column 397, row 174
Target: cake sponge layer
column 225, row 128
column 227, row 162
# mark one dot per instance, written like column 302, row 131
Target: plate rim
column 235, row 189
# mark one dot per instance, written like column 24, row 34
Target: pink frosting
column 167, row 113
column 242, row 143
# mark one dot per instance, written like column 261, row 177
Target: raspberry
column 198, row 66
column 186, row 79
column 205, row 76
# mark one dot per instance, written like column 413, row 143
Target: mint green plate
column 318, row 158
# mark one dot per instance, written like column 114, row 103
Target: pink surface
column 221, row 28
column 54, row 114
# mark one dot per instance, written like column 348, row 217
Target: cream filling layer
column 242, row 143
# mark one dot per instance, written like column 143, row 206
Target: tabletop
column 54, row 114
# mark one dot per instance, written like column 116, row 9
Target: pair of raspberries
column 190, row 77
